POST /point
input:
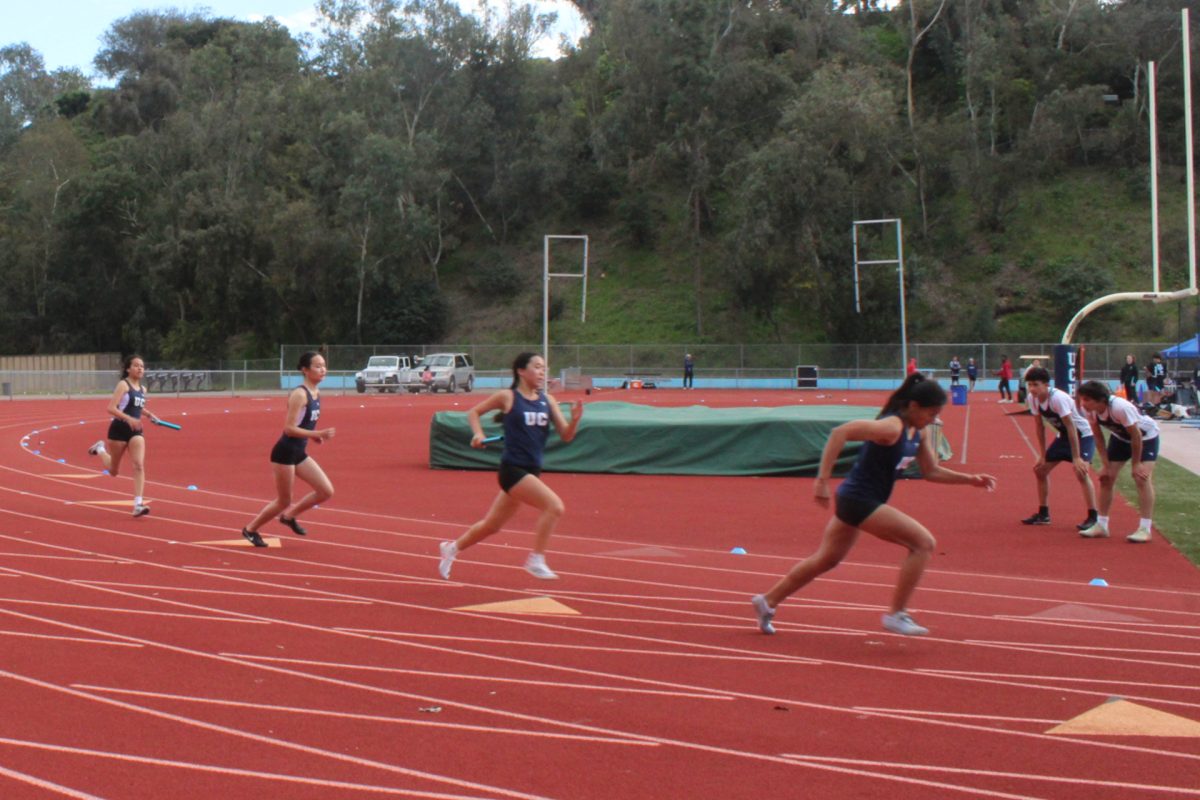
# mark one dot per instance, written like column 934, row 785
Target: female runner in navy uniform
column 126, row 406
column 862, row 498
column 526, row 411
column 289, row 457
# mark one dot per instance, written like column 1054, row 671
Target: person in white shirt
column 1074, row 443
column 1135, row 438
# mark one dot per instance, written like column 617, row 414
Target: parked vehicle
column 443, row 371
column 385, row 373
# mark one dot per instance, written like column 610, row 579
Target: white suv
column 385, row 373
column 446, row 371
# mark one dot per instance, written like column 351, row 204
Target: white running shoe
column 97, row 448
column 140, row 510
column 902, row 623
column 1139, row 536
column 449, row 552
column 1097, row 530
column 535, row 565
column 764, row 612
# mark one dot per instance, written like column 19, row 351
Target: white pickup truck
column 385, row 373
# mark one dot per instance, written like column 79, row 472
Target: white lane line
column 1190, row 687
column 111, row 610
column 47, row 785
column 1049, row 651
column 1129, row 628
column 1028, row 443
column 530, row 644
column 372, row 717
column 956, row 715
column 477, row 677
column 263, row 739
column 926, row 588
column 1000, row 732
column 193, row 590
column 66, row 558
column 966, row 433
column 1099, row 649
column 1048, row 687
column 325, row 577
column 67, row 639
column 233, row 771
column 1029, row 776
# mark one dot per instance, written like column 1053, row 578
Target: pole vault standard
column 899, row 262
column 546, row 276
column 1156, row 296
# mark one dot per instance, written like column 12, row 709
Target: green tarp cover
column 694, row 440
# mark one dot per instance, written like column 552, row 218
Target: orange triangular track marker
column 531, row 605
column 270, row 540
column 1123, row 718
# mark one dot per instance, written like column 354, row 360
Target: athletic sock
column 1103, row 521
column 1144, row 523
column 1044, row 511
column 137, row 501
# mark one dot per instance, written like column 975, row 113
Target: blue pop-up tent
column 1188, row 349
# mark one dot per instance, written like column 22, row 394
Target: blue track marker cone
column 1097, row 582
column 738, row 551
column 191, row 487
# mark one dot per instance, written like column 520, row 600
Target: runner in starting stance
column 891, row 441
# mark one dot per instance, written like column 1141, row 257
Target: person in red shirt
column 1005, row 372
column 912, row 365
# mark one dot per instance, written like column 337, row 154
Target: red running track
column 139, row 662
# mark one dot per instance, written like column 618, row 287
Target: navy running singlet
column 874, row 473
column 293, row 449
column 526, row 427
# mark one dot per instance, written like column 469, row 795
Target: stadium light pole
column 899, row 262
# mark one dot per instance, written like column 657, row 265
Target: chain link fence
column 843, row 361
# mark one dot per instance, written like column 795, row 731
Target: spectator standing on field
column 1005, row 374
column 689, row 366
column 1129, row 378
column 972, row 374
column 955, row 370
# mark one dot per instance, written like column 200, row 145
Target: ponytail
column 918, row 389
column 519, row 363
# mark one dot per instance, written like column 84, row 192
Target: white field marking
column 67, row 639
column 268, row 740
column 1099, row 649
column 531, row 622
column 1045, row 739
column 955, row 715
column 559, row 536
column 223, row 591
column 1049, row 651
column 966, row 432
column 524, row 622
column 1068, row 679
column 1114, row 626
column 1058, row 688
column 1032, row 449
column 111, row 610
column 739, row 573
column 65, row 558
column 1028, row 776
column 476, row 677
column 406, row 635
column 47, row 785
column 656, row 640
column 401, row 581
column 232, row 771
column 375, row 717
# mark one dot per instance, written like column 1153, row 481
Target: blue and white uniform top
column 1122, row 414
column 1058, row 404
column 874, row 473
column 526, row 428
column 132, row 402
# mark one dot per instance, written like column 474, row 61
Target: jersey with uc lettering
column 526, row 428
